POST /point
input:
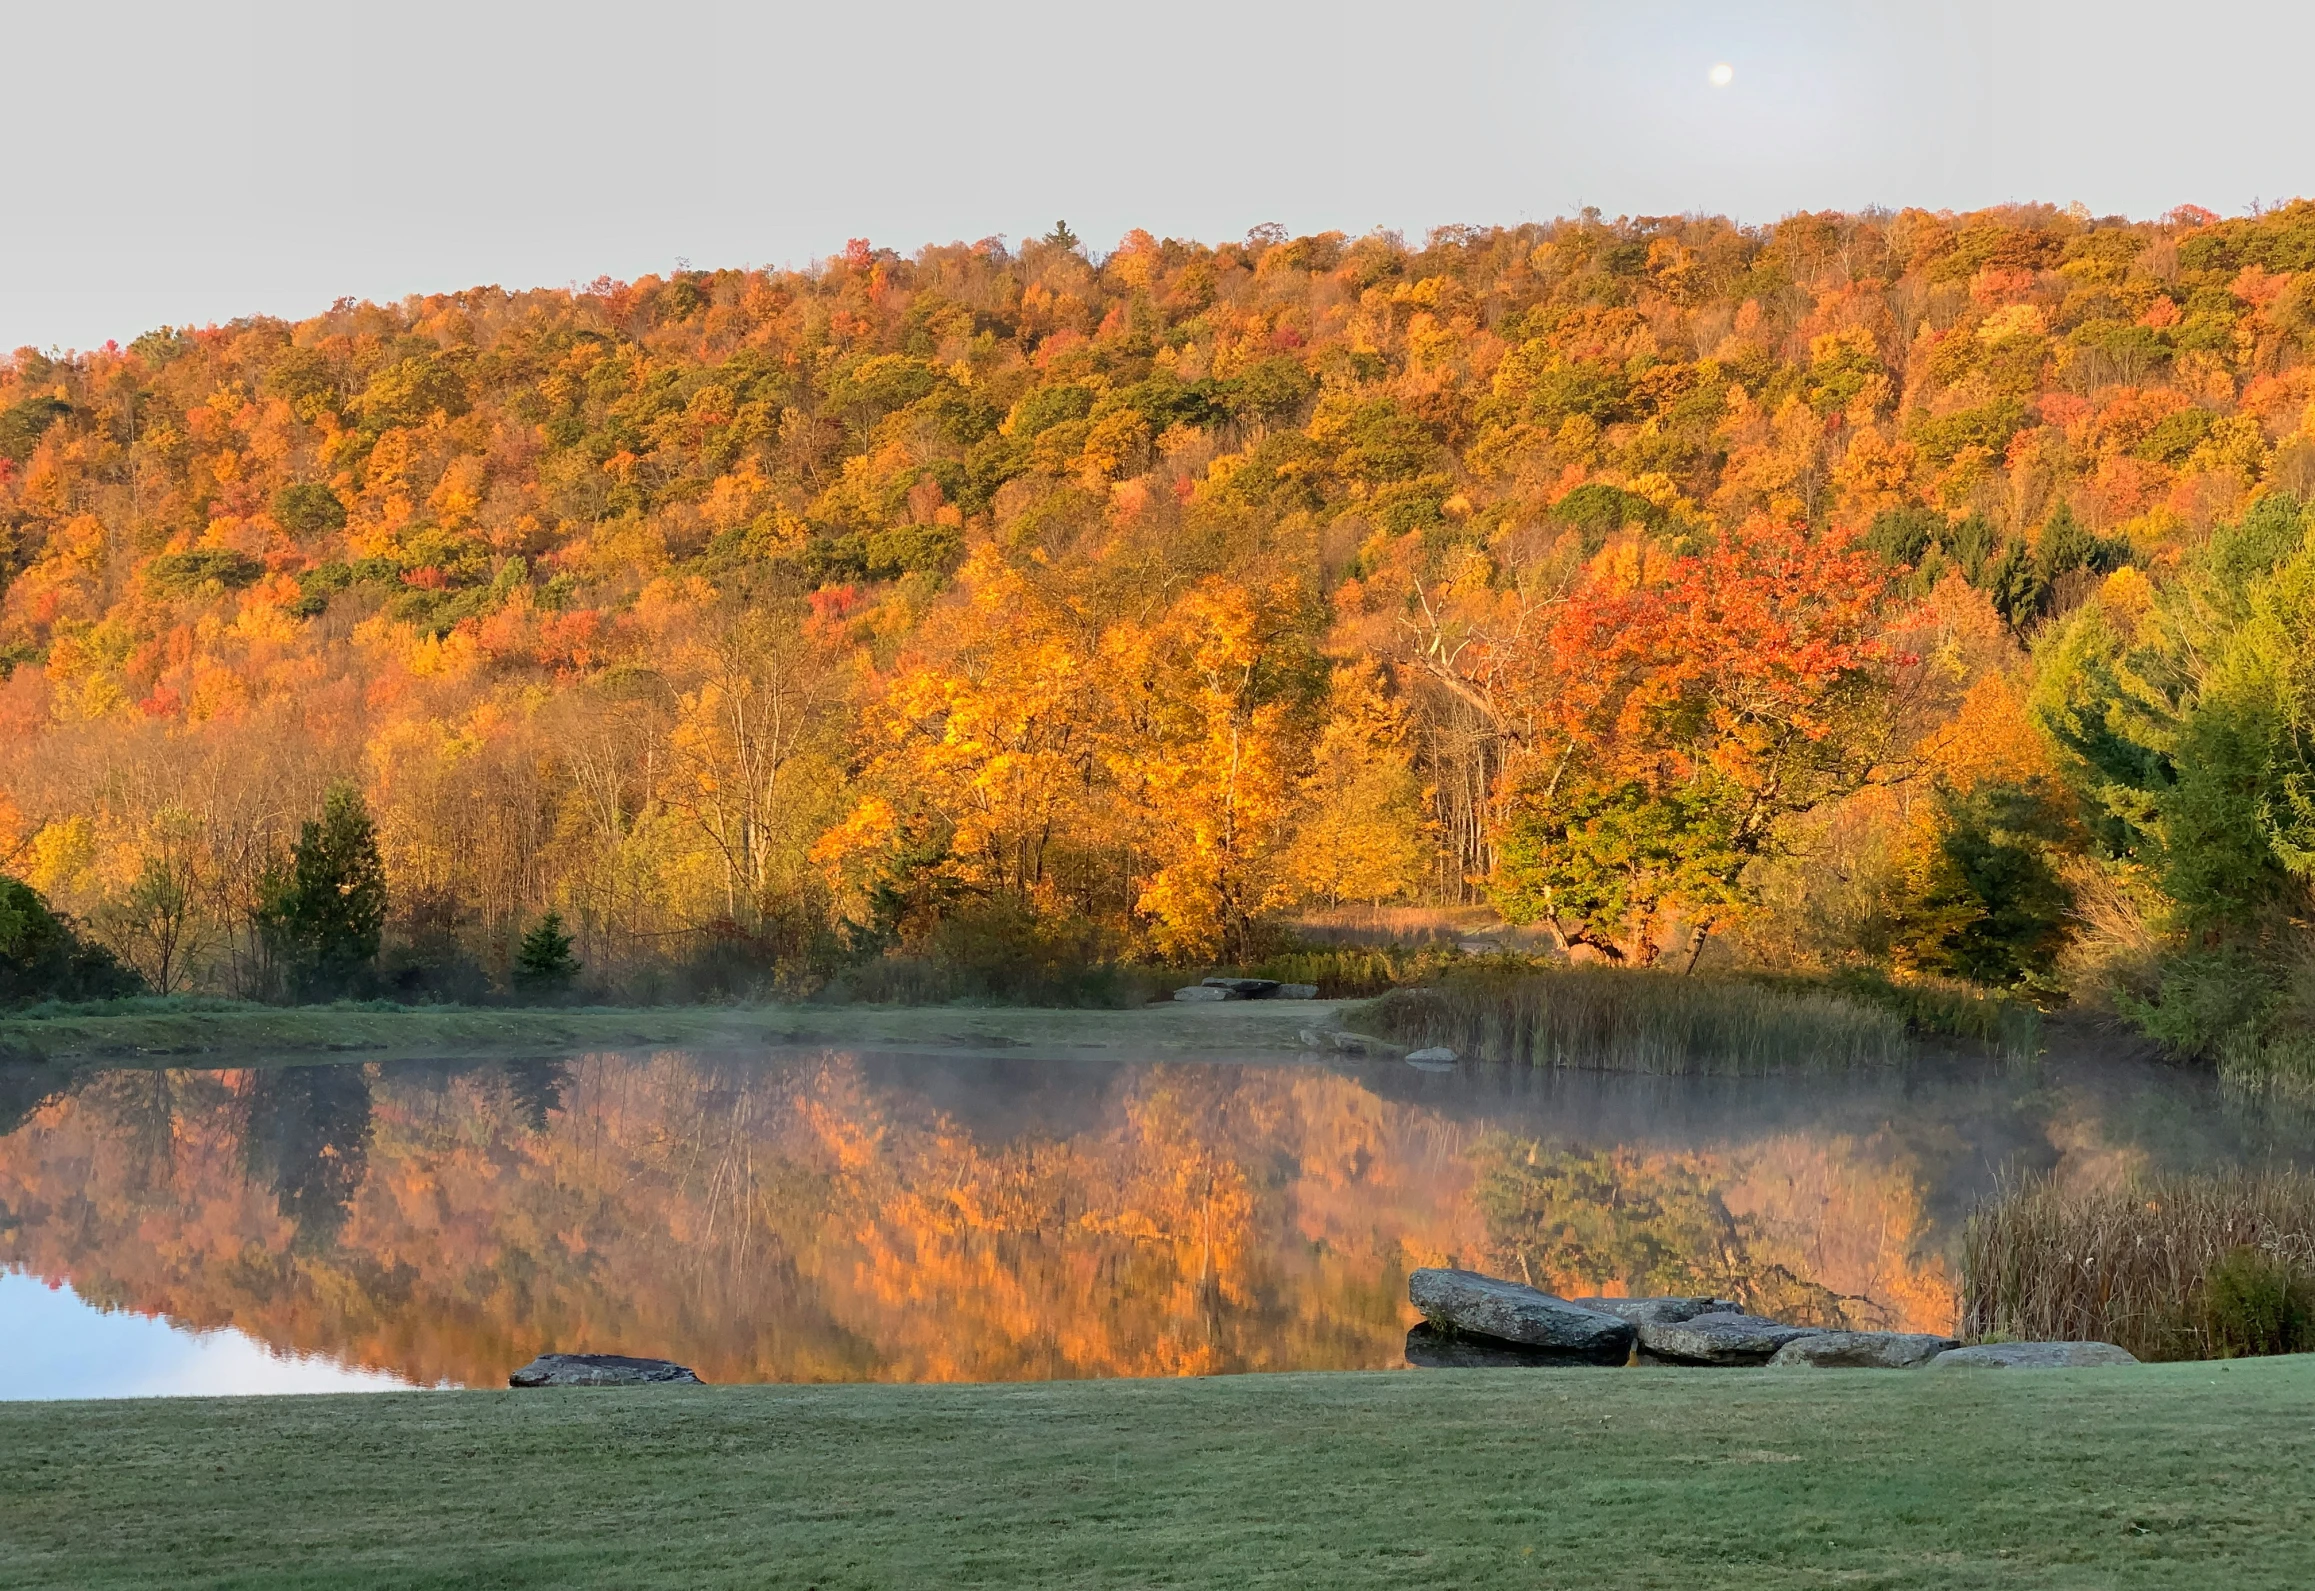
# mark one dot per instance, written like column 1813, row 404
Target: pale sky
column 187, row 161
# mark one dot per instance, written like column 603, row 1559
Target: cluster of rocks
column 1246, row 989
column 1470, row 1320
column 600, row 1370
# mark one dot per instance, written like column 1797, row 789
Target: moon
column 1722, row 75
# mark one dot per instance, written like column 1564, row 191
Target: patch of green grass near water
column 2174, row 1475
column 1625, row 1020
column 235, row 1033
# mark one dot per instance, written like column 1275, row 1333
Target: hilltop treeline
column 1869, row 588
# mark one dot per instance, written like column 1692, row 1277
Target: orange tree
column 1684, row 708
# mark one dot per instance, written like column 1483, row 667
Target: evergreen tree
column 543, row 964
column 322, row 918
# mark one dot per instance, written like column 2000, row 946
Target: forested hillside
column 1924, row 591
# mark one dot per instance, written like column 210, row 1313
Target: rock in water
column 599, row 1370
column 1659, row 1311
column 1432, row 1349
column 2033, row 1356
column 1245, row 988
column 1718, row 1339
column 1204, row 991
column 1295, row 991
column 1861, row 1350
column 1438, row 1054
column 1468, row 1304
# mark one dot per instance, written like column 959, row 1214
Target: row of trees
column 1689, row 590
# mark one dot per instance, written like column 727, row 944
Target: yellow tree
column 1203, row 746
column 1359, row 834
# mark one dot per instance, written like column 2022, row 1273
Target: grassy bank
column 1615, row 1019
column 215, row 1032
column 2172, row 1267
column 2162, row 1476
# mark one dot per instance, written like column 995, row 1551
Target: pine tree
column 322, row 919
column 543, row 964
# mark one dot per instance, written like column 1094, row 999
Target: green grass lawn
column 2173, row 1475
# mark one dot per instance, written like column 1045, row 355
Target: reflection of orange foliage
column 1849, row 1216
column 809, row 1220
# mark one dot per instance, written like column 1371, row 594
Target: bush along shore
column 1472, row 1321
column 2172, row 1267
column 1618, row 1019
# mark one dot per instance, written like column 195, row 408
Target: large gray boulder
column 1466, row 1303
column 1244, row 988
column 1198, row 992
column 599, row 1370
column 1860, row 1350
column 2033, row 1356
column 1659, row 1311
column 1718, row 1339
column 1431, row 1348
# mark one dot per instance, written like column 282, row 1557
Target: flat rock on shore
column 1467, row 1304
column 599, row 1370
column 1659, row 1311
column 1719, row 1339
column 2033, row 1356
column 1860, row 1350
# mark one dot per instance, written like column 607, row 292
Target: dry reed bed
column 2170, row 1267
column 1613, row 1019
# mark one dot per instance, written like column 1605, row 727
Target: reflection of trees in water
column 537, row 1089
column 307, row 1137
column 25, row 1086
column 1584, row 1221
column 816, row 1218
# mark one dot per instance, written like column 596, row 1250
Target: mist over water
column 831, row 1215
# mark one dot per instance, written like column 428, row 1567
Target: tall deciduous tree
column 1684, row 718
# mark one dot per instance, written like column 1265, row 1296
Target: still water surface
column 832, row 1215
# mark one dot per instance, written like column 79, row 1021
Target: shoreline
column 209, row 1033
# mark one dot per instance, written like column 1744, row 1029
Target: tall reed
column 2170, row 1267
column 1611, row 1019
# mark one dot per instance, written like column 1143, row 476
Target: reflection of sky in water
column 59, row 1346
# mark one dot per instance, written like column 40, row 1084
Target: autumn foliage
column 1030, row 605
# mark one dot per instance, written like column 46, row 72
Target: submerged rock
column 1860, row 1350
column 2033, row 1356
column 1438, row 1055
column 1468, row 1304
column 1719, row 1339
column 599, row 1370
column 1659, row 1311
column 1433, row 1349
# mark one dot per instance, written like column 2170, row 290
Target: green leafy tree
column 1991, row 909
column 323, row 917
column 42, row 956
column 2190, row 733
column 543, row 963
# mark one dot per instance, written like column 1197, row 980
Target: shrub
column 44, row 957
column 2257, row 1303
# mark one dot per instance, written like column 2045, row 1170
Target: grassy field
column 2172, row 1476
column 221, row 1032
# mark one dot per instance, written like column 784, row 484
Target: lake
column 831, row 1215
